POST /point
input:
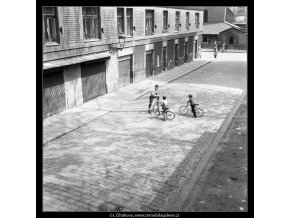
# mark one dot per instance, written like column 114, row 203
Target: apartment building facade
column 240, row 16
column 79, row 59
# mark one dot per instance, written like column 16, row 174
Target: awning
column 74, row 60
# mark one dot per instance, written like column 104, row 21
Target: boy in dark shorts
column 153, row 94
column 190, row 101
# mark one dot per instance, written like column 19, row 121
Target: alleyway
column 127, row 160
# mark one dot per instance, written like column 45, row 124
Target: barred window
column 91, row 22
column 177, row 21
column 149, row 22
column 50, row 24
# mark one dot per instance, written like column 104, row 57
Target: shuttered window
column 177, row 21
column 120, row 21
column 165, row 20
column 122, row 26
column 149, row 22
column 187, row 21
column 50, row 25
column 197, row 20
column 91, row 23
column 129, row 16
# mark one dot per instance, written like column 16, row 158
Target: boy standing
column 153, row 94
column 190, row 101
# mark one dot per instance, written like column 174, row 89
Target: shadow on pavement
column 166, row 194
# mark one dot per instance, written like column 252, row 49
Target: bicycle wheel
column 170, row 115
column 199, row 112
column 183, row 110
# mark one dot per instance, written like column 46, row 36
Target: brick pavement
column 128, row 160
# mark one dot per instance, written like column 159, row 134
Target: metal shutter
column 53, row 93
column 190, row 45
column 149, row 71
column 157, row 57
column 139, row 62
column 170, row 53
column 181, row 48
column 93, row 80
column 124, row 71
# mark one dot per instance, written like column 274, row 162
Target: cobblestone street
column 128, row 160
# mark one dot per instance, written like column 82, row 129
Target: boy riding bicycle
column 165, row 106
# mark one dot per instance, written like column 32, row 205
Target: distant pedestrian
column 215, row 51
column 153, row 94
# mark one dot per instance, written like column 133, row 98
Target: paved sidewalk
column 69, row 120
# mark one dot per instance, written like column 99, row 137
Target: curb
column 188, row 190
column 138, row 96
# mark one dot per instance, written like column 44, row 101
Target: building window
column 187, row 20
column 197, row 20
column 120, row 21
column 231, row 41
column 129, row 16
column 240, row 19
column 165, row 20
column 91, row 22
column 50, row 24
column 177, row 21
column 205, row 16
column 149, row 22
column 241, row 9
column 204, row 39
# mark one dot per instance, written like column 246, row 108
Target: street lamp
column 122, row 40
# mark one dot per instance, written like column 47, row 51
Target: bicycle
column 157, row 112
column 184, row 110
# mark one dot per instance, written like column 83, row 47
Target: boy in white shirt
column 165, row 106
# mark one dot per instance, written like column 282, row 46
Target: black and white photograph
column 144, row 109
